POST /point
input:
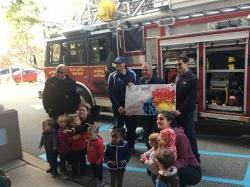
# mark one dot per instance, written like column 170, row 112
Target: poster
column 147, row 100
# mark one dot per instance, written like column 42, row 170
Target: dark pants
column 78, row 162
column 97, row 170
column 130, row 123
column 189, row 175
column 186, row 120
column 153, row 176
column 52, row 160
column 149, row 127
column 116, row 178
column 64, row 157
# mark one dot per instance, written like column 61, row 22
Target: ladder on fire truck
column 132, row 11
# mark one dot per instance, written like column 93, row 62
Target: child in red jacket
column 95, row 152
column 62, row 144
column 78, row 145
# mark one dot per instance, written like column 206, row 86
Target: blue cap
column 120, row 60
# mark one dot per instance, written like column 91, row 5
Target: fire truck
column 214, row 34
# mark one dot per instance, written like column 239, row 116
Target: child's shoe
column 99, row 183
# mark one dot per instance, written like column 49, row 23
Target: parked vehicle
column 25, row 75
column 5, row 74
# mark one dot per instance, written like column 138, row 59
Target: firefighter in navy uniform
column 60, row 95
column 186, row 94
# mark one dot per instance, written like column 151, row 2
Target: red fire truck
column 214, row 35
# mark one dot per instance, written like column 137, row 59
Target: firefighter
column 186, row 94
column 60, row 95
column 117, row 83
column 148, row 122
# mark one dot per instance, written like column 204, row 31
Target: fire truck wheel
column 84, row 95
column 86, row 98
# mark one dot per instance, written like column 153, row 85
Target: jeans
column 186, row 120
column 189, row 175
column 160, row 183
column 117, row 178
column 78, row 161
column 64, row 157
column 149, row 127
column 52, row 159
column 97, row 170
column 130, row 123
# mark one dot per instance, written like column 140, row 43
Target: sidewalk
column 30, row 172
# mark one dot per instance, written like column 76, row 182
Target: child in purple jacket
column 62, row 145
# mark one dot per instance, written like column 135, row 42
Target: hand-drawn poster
column 149, row 99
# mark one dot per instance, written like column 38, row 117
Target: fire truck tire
column 84, row 95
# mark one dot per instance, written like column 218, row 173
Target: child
column 86, row 120
column 62, row 144
column 95, row 152
column 48, row 140
column 148, row 158
column 117, row 156
column 78, row 145
column 167, row 140
column 167, row 172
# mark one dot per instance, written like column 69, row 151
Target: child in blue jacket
column 117, row 156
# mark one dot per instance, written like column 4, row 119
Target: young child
column 48, row 140
column 117, row 156
column 167, row 172
column 95, row 153
column 62, row 144
column 78, row 145
column 86, row 119
column 167, row 140
column 148, row 158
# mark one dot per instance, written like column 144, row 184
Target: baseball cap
column 120, row 60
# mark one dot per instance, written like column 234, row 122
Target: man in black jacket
column 186, row 94
column 60, row 95
column 148, row 122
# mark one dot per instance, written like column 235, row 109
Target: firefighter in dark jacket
column 148, row 122
column 117, row 83
column 60, row 95
column 186, row 94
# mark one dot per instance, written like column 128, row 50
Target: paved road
column 225, row 161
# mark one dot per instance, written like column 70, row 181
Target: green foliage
column 22, row 15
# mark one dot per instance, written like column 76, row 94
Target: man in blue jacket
column 117, row 83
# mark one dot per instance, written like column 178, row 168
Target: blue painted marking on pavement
column 247, row 176
column 43, row 157
column 105, row 127
column 232, row 155
column 209, row 153
column 222, row 180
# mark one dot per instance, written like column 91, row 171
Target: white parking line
column 37, row 107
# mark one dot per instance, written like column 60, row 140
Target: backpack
column 4, row 180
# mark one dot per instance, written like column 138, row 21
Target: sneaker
column 99, row 183
column 55, row 173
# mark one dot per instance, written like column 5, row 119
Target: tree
column 22, row 15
